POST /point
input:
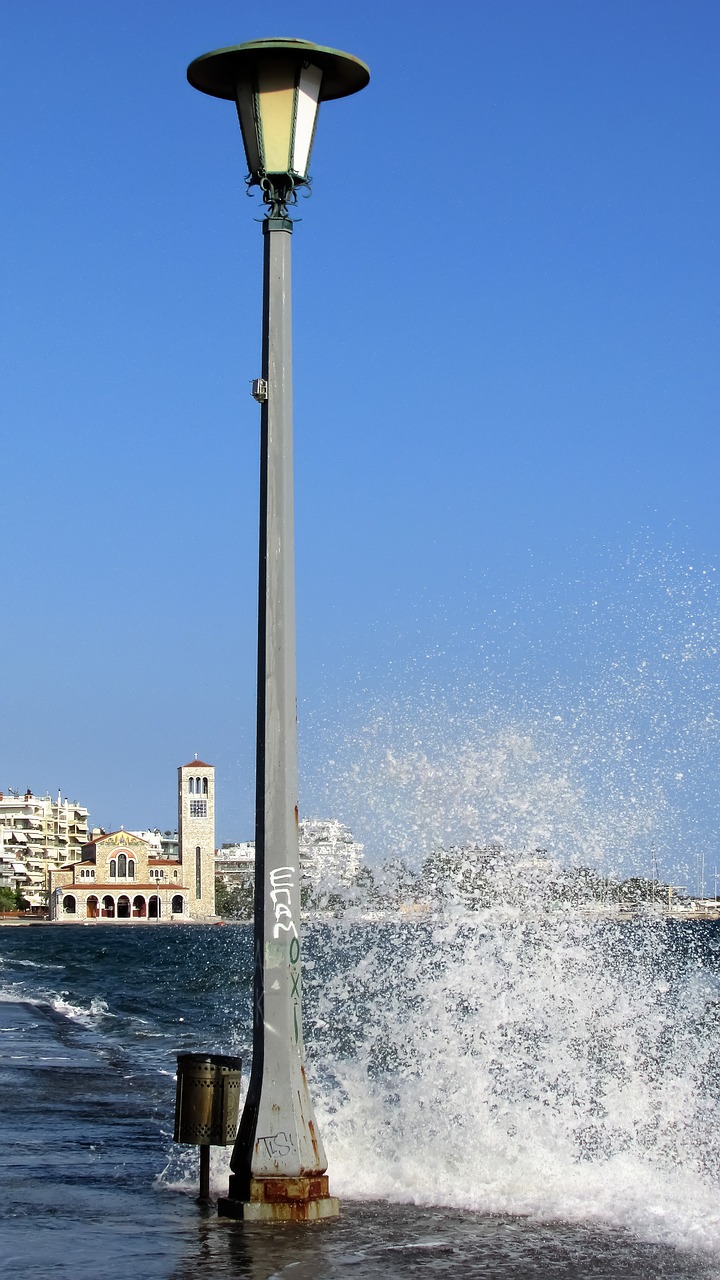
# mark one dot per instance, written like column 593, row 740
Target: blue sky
column 506, row 391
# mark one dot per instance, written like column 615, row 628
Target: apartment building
column 43, row 834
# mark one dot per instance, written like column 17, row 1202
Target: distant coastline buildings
column 48, row 854
column 49, row 861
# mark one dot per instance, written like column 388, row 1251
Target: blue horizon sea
column 498, row 1097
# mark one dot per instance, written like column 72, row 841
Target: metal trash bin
column 207, row 1101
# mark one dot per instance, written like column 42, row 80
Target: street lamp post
column 278, row 1163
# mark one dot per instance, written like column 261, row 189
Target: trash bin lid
column 210, row 1059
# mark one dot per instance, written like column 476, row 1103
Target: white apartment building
column 13, row 875
column 43, row 834
column 235, row 863
column 329, row 855
column 164, row 844
column 151, row 838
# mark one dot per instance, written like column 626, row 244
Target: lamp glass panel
column 276, row 104
column 307, row 109
column 244, row 97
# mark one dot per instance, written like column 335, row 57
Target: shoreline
column 13, row 922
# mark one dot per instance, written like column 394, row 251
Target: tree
column 638, row 891
column 473, row 876
column 8, row 900
column 234, row 902
column 363, row 891
column 398, row 883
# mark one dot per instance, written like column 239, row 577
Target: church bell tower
column 196, row 835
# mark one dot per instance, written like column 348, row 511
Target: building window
column 198, row 872
column 191, row 786
column 205, row 786
column 177, row 905
column 113, row 868
column 198, row 808
column 69, row 905
column 131, row 869
column 122, row 866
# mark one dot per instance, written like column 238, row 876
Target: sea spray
column 539, row 1065
column 585, row 720
column 517, row 1053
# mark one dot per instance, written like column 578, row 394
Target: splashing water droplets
column 525, row 1066
column 519, row 1057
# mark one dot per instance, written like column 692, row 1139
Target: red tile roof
column 200, row 764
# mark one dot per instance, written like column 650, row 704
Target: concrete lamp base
column 282, row 1200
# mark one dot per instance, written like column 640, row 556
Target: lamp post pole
column 278, row 1166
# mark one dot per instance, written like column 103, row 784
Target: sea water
column 509, row 1094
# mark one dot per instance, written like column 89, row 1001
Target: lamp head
column 278, row 86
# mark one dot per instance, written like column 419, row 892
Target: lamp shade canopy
column 278, row 86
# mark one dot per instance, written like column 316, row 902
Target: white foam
column 525, row 1067
column 96, row 1010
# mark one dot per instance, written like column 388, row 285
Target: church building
column 120, row 876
